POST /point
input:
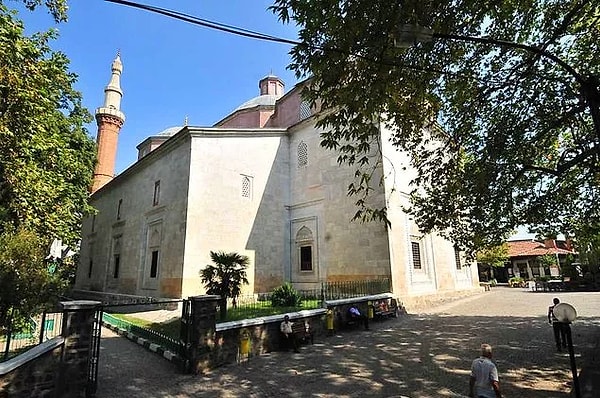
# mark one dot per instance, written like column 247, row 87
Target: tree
column 499, row 136
column 27, row 283
column 46, row 155
column 494, row 256
column 225, row 277
column 46, row 163
column 57, row 8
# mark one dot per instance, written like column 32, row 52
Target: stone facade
column 268, row 191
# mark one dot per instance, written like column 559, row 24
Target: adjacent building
column 257, row 183
column 524, row 257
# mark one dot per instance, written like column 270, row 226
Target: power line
column 207, row 23
column 263, row 36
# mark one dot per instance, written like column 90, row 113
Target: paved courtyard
column 416, row 356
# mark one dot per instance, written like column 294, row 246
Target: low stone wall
column 263, row 334
column 57, row 367
column 34, row 373
column 211, row 344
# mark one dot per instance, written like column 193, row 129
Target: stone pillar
column 202, row 332
column 78, row 323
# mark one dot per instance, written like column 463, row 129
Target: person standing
column 484, row 376
column 560, row 335
column 288, row 334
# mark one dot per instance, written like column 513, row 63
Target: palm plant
column 225, row 277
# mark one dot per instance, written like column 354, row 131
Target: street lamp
column 408, row 35
column 566, row 313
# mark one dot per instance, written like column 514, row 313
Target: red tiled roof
column 526, row 248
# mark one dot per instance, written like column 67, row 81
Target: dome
column 168, row 132
column 261, row 100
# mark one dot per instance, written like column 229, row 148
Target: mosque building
column 257, row 183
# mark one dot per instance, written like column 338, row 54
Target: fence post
column 202, row 332
column 78, row 323
column 8, row 334
column 42, row 327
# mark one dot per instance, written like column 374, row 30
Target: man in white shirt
column 288, row 334
column 484, row 376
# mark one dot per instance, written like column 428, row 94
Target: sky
column 171, row 69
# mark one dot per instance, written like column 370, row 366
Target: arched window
column 304, row 242
column 302, row 154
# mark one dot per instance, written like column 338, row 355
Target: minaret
column 109, row 119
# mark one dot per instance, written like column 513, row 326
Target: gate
column 92, row 372
column 180, row 346
column 185, row 333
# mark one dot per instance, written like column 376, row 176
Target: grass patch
column 171, row 327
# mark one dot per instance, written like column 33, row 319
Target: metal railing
column 350, row 289
column 153, row 336
column 37, row 329
column 253, row 305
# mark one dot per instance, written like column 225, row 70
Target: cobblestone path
column 416, row 356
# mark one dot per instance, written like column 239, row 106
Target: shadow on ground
column 414, row 356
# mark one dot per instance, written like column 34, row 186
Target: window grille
column 305, row 110
column 302, row 154
column 416, row 255
column 246, row 187
column 457, row 258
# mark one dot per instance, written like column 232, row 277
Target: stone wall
column 33, row 373
column 263, row 334
column 57, row 367
column 212, row 345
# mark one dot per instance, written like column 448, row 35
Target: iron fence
column 253, row 305
column 153, row 336
column 349, row 289
column 36, row 330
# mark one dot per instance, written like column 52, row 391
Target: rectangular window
column 306, row 258
column 156, row 198
column 416, row 255
column 90, row 269
column 119, row 209
column 457, row 258
column 117, row 261
column 154, row 264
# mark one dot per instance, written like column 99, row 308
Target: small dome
column 170, row 131
column 261, row 100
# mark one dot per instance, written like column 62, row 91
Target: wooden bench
column 302, row 331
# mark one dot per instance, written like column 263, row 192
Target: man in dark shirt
column 560, row 336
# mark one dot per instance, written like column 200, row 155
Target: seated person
column 355, row 315
column 289, row 339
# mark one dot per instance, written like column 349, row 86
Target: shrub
column 285, row 296
column 493, row 282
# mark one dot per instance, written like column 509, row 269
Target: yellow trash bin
column 329, row 320
column 245, row 343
